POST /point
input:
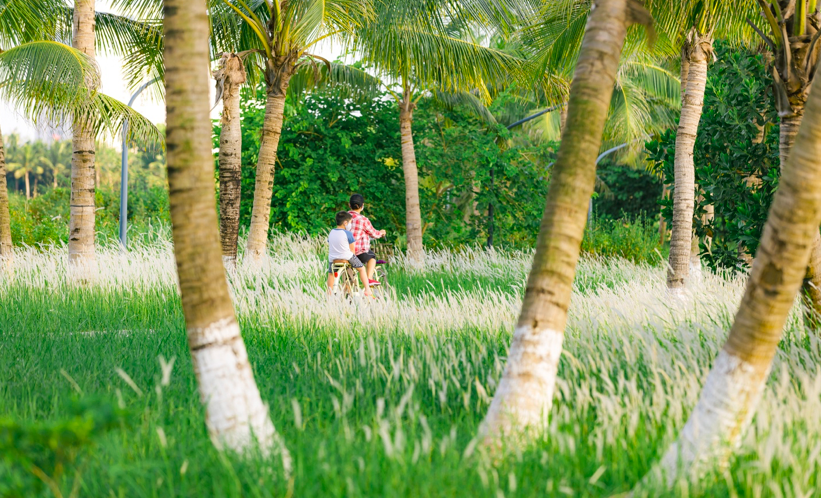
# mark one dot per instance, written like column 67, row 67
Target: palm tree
column 24, row 164
column 737, row 379
column 693, row 25
column 235, row 414
column 793, row 31
column 409, row 43
column 279, row 33
column 229, row 77
column 524, row 395
column 53, row 158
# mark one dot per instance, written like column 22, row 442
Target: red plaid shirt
column 362, row 231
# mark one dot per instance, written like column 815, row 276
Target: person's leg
column 357, row 265
column 369, row 259
column 371, row 267
column 363, row 276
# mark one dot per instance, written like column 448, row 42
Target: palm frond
column 467, row 101
column 42, row 78
column 347, row 80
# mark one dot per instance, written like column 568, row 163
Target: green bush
column 636, row 240
column 630, row 193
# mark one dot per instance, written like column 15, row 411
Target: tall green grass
column 385, row 398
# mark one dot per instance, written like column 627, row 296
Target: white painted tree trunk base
column 236, row 417
column 713, row 431
column 524, row 396
column 82, row 271
column 696, row 271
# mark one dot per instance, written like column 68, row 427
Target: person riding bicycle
column 363, row 231
column 341, row 250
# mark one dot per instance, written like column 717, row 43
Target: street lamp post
column 124, row 172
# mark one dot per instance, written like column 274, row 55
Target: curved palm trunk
column 735, row 383
column 697, row 51
column 523, row 398
column 811, row 293
column 266, row 163
column 230, row 77
column 83, row 178
column 6, row 248
column 413, row 211
column 235, row 414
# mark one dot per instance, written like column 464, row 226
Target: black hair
column 342, row 217
column 357, row 201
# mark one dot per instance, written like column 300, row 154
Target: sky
column 113, row 84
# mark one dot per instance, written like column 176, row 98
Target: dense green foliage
column 626, row 192
column 332, row 147
column 736, row 157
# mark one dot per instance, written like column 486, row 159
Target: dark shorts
column 366, row 256
column 354, row 262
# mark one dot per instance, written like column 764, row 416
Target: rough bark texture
column 6, row 248
column 235, row 414
column 811, row 293
column 83, row 178
column 413, row 212
column 264, row 187
column 230, row 77
column 737, row 379
column 523, row 399
column 697, row 51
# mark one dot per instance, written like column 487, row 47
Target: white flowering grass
column 383, row 398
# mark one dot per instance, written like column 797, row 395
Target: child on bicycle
column 363, row 231
column 341, row 250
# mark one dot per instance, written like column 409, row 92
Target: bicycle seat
column 381, row 262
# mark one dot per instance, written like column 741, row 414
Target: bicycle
column 346, row 281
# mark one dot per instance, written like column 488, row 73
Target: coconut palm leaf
column 431, row 59
column 467, row 101
column 347, row 80
column 23, row 21
column 45, row 77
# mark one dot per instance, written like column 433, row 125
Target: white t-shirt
column 339, row 244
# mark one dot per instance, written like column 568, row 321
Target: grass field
column 384, row 398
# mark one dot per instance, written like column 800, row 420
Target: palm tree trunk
column 266, row 163
column 231, row 76
column 28, row 186
column 697, row 52
column 235, row 414
column 735, row 384
column 524, row 395
column 413, row 211
column 83, row 178
column 811, row 292
column 6, row 248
